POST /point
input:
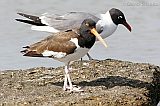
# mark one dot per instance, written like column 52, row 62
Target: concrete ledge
column 106, row 83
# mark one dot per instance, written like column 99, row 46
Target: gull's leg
column 90, row 58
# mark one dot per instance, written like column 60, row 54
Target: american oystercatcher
column 106, row 23
column 66, row 46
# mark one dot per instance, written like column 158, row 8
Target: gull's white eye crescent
column 120, row 17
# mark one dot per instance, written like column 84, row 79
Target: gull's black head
column 119, row 18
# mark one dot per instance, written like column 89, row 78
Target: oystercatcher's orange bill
column 93, row 30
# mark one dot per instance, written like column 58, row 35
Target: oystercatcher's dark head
column 88, row 31
column 119, row 18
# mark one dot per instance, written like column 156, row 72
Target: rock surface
column 105, row 83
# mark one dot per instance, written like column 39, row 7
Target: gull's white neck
column 108, row 26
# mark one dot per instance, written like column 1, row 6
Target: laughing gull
column 106, row 24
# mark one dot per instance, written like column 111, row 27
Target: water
column 141, row 45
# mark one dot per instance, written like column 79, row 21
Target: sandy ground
column 105, row 83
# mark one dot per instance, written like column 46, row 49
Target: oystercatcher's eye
column 87, row 24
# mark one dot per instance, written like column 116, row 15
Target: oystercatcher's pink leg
column 67, row 80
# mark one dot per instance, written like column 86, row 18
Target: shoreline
column 105, row 82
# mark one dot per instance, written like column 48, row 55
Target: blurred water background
column 141, row 45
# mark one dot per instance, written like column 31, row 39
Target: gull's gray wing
column 54, row 23
column 70, row 20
